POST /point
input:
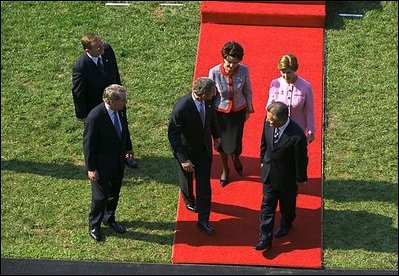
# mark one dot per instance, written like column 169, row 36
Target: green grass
column 45, row 194
column 361, row 138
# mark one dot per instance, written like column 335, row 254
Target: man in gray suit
column 284, row 161
column 106, row 144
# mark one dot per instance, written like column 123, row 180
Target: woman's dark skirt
column 231, row 130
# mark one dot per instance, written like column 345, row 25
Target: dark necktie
column 100, row 64
column 116, row 124
column 202, row 113
column 275, row 135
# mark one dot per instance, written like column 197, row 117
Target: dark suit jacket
column 286, row 162
column 103, row 150
column 188, row 139
column 88, row 82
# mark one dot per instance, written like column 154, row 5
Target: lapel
column 208, row 110
column 111, row 123
column 269, row 134
column 285, row 138
column 122, row 120
column 94, row 66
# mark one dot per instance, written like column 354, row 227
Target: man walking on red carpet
column 191, row 126
column 284, row 161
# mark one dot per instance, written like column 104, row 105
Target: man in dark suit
column 191, row 126
column 106, row 143
column 284, row 161
column 94, row 70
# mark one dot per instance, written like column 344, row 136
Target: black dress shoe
column 282, row 231
column 95, row 234
column 205, row 227
column 118, row 228
column 262, row 245
column 191, row 207
column 131, row 163
column 224, row 182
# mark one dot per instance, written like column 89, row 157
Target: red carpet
column 235, row 208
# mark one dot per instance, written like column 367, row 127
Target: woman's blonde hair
column 288, row 61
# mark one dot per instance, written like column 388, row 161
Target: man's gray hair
column 203, row 85
column 279, row 110
column 112, row 92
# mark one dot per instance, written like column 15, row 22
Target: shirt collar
column 94, row 59
column 197, row 102
column 282, row 128
column 109, row 109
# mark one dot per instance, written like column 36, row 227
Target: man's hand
column 216, row 143
column 188, row 166
column 129, row 154
column 310, row 138
column 93, row 175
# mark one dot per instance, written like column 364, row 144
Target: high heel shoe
column 238, row 166
column 224, row 178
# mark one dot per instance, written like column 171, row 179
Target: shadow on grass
column 160, row 169
column 59, row 171
column 144, row 231
column 334, row 8
column 351, row 229
column 361, row 191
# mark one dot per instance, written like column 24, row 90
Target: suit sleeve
column 301, row 159
column 113, row 57
column 129, row 145
column 174, row 136
column 90, row 135
column 309, row 111
column 272, row 92
column 214, row 125
column 79, row 92
column 263, row 142
column 247, row 91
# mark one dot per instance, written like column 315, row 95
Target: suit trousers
column 203, row 193
column 104, row 200
column 287, row 201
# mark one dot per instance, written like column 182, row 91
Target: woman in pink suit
column 296, row 93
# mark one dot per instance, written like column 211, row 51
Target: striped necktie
column 275, row 135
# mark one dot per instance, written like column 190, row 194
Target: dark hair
column 279, row 111
column 233, row 49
